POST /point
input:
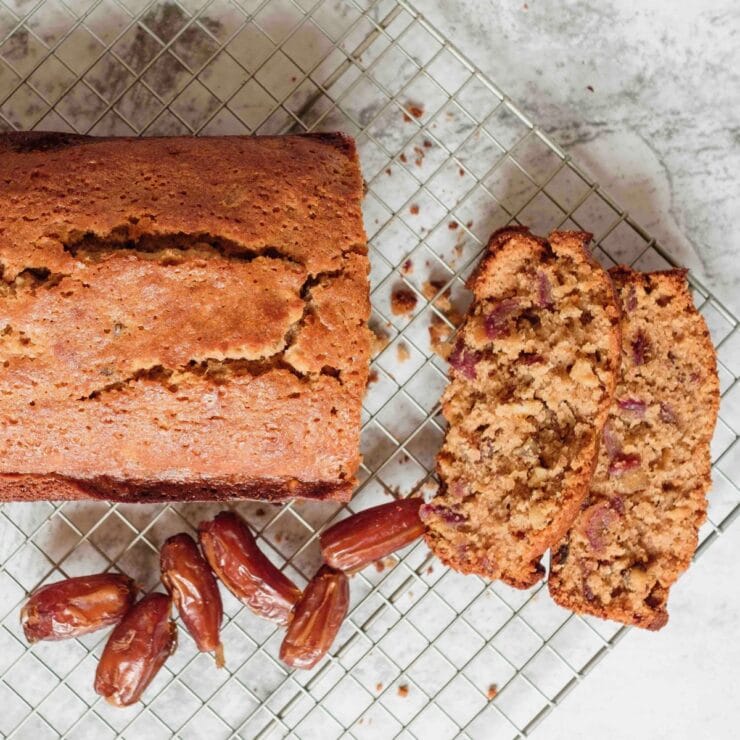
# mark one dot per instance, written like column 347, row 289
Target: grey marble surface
column 644, row 94
column 659, row 130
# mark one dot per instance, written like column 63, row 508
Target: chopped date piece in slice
column 622, row 464
column 598, row 520
column 544, row 290
column 667, row 414
column 245, row 570
column 464, row 360
column 640, row 349
column 497, row 318
column 136, row 649
column 647, row 497
column 77, row 606
column 429, row 511
column 316, row 620
column 190, row 582
column 372, row 534
column 532, row 378
column 634, row 405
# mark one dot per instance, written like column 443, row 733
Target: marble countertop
column 645, row 95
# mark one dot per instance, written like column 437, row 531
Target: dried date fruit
column 77, row 606
column 317, row 618
column 136, row 650
column 372, row 534
column 245, row 570
column 192, row 585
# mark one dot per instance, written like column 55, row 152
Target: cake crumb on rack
column 403, row 690
column 439, row 334
column 452, row 225
column 414, row 209
column 402, row 352
column 372, row 376
column 492, row 691
column 379, row 339
column 403, row 301
column 379, row 687
column 384, row 564
column 407, row 267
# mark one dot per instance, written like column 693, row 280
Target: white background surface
column 661, row 133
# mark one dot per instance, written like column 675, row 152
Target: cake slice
column 637, row 530
column 532, row 377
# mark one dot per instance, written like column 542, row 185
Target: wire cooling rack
column 425, row 653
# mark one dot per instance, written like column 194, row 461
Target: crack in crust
column 170, row 250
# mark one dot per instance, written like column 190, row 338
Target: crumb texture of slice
column 532, row 376
column 638, row 528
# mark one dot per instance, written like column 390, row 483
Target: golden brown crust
column 532, row 377
column 181, row 317
column 637, row 530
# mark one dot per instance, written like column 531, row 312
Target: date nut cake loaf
column 181, row 318
column 637, row 529
column 532, row 377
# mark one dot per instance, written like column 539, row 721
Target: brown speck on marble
column 403, row 301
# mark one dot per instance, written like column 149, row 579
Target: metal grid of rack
column 447, row 158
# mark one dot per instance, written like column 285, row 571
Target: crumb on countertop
column 403, row 690
column 402, row 157
column 492, row 691
column 403, row 301
column 590, row 88
column 402, row 352
column 407, row 267
column 430, row 288
column 430, row 570
column 372, row 376
column 461, row 172
column 259, row 511
column 379, row 687
column 414, row 208
column 452, row 225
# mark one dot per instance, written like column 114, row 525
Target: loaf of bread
column 181, row 318
column 532, row 377
column 637, row 530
